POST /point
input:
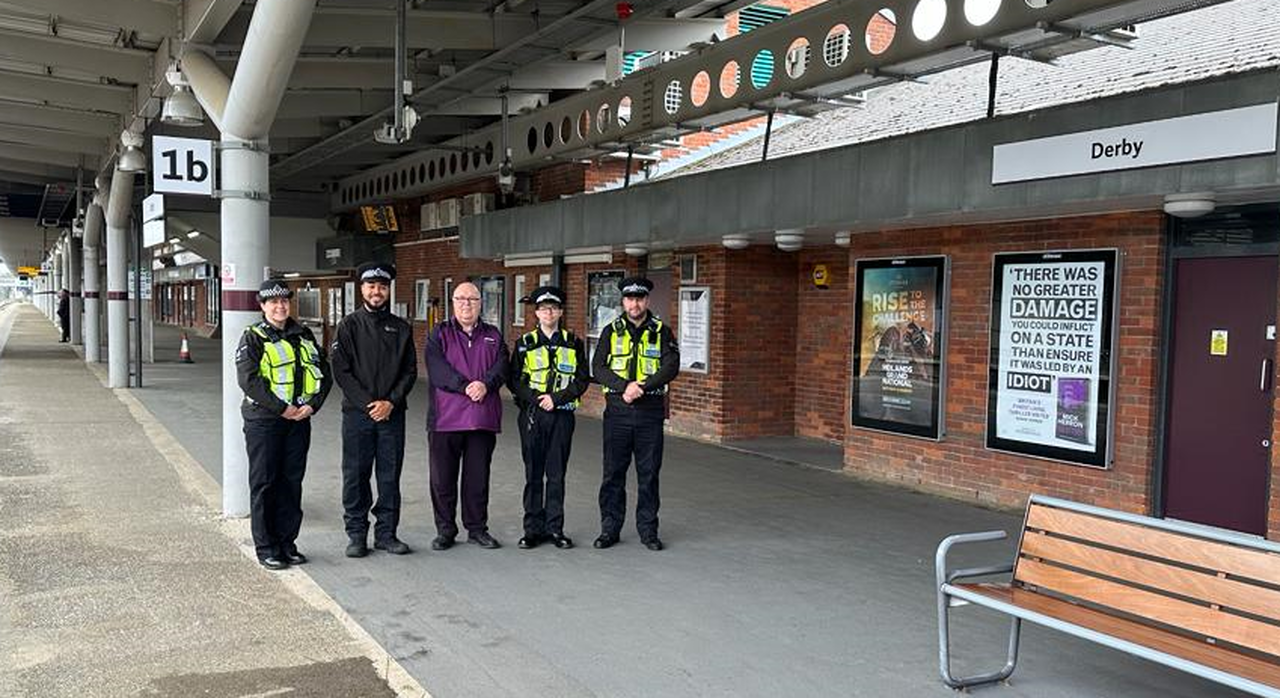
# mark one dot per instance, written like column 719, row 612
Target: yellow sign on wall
column 1218, row 343
column 821, row 278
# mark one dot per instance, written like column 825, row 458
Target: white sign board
column 153, row 220
column 182, row 165
column 695, row 328
column 1219, row 134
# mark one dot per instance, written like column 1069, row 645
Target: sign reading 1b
column 182, row 165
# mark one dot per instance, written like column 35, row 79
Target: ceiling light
column 1190, row 205
column 736, row 241
column 636, row 249
column 193, row 233
column 131, row 157
column 843, row 238
column 789, row 239
column 181, row 108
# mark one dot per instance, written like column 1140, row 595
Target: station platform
column 778, row 580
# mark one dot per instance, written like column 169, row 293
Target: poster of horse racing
column 898, row 356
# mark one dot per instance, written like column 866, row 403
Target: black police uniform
column 277, row 447
column 546, row 437
column 373, row 359
column 633, row 429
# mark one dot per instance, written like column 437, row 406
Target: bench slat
column 1252, row 598
column 1220, row 658
column 1238, row 630
column 1213, row 555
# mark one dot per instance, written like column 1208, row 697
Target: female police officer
column 285, row 379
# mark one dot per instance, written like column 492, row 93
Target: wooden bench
column 1195, row 598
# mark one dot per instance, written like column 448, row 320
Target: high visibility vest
column 542, row 374
column 645, row 355
column 279, row 364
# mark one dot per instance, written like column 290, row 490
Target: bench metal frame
column 949, row 595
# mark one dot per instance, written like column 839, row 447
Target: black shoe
column 561, row 541
column 484, row 540
column 652, row 543
column 606, row 540
column 442, row 542
column 274, row 563
column 529, row 542
column 357, row 547
column 392, row 545
column 294, row 557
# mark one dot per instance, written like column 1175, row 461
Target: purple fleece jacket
column 454, row 358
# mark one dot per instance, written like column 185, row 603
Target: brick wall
column 960, row 465
column 824, row 329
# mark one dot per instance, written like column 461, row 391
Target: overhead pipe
column 276, row 32
column 119, row 206
column 208, row 83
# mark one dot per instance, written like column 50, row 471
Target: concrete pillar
column 74, row 285
column 118, row 206
column 92, row 305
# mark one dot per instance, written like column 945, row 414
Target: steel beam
column 332, row 103
column 204, row 20
column 121, row 64
column 53, row 139
column 69, row 93
column 83, row 122
column 40, row 155
column 660, row 34
column 839, row 62
column 146, row 16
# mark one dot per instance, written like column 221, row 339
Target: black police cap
column 273, row 288
column 382, row 272
column 545, row 294
column 635, row 286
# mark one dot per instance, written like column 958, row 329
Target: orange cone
column 184, row 353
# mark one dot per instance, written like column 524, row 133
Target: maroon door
column 1218, row 435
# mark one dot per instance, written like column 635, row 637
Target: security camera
column 506, row 175
column 388, row 134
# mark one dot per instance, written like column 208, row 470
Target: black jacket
column 260, row 402
column 668, row 366
column 520, row 387
column 374, row 359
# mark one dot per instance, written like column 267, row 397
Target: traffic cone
column 184, row 353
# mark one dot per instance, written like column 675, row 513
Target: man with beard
column 375, row 363
column 635, row 360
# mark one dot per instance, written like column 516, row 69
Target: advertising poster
column 1051, row 335
column 898, row 356
column 695, row 328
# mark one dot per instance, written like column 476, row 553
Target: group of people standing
column 285, row 377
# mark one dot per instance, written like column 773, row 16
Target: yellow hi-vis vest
column 542, row 374
column 279, row 363
column 646, row 354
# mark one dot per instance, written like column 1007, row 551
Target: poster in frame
column 1052, row 356
column 899, row 345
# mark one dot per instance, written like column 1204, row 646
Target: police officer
column 635, row 360
column 375, row 364
column 548, row 374
column 285, row 378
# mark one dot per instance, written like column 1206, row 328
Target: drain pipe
column 118, row 208
column 93, row 222
column 249, row 106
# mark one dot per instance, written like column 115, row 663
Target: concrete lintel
column 122, row 64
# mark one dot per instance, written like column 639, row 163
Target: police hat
column 545, row 294
column 637, row 286
column 377, row 272
column 273, row 288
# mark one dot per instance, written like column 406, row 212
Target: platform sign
column 153, row 220
column 182, row 165
column 1051, row 366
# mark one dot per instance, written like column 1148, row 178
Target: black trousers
column 631, row 432
column 277, row 463
column 545, row 440
column 64, row 321
column 371, row 449
column 468, row 452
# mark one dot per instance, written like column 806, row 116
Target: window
column 492, row 299
column 422, row 300
column 604, row 300
column 517, row 312
column 212, row 297
column 335, row 306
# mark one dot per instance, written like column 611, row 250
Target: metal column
column 118, row 208
column 92, row 306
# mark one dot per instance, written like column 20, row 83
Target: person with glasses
column 375, row 364
column 549, row 374
column 467, row 363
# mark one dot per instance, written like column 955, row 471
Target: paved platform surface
column 779, row 580
column 117, row 576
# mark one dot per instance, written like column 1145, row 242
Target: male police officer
column 548, row 375
column 375, row 364
column 285, row 379
column 636, row 357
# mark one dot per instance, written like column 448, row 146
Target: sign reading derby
column 1208, row 136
